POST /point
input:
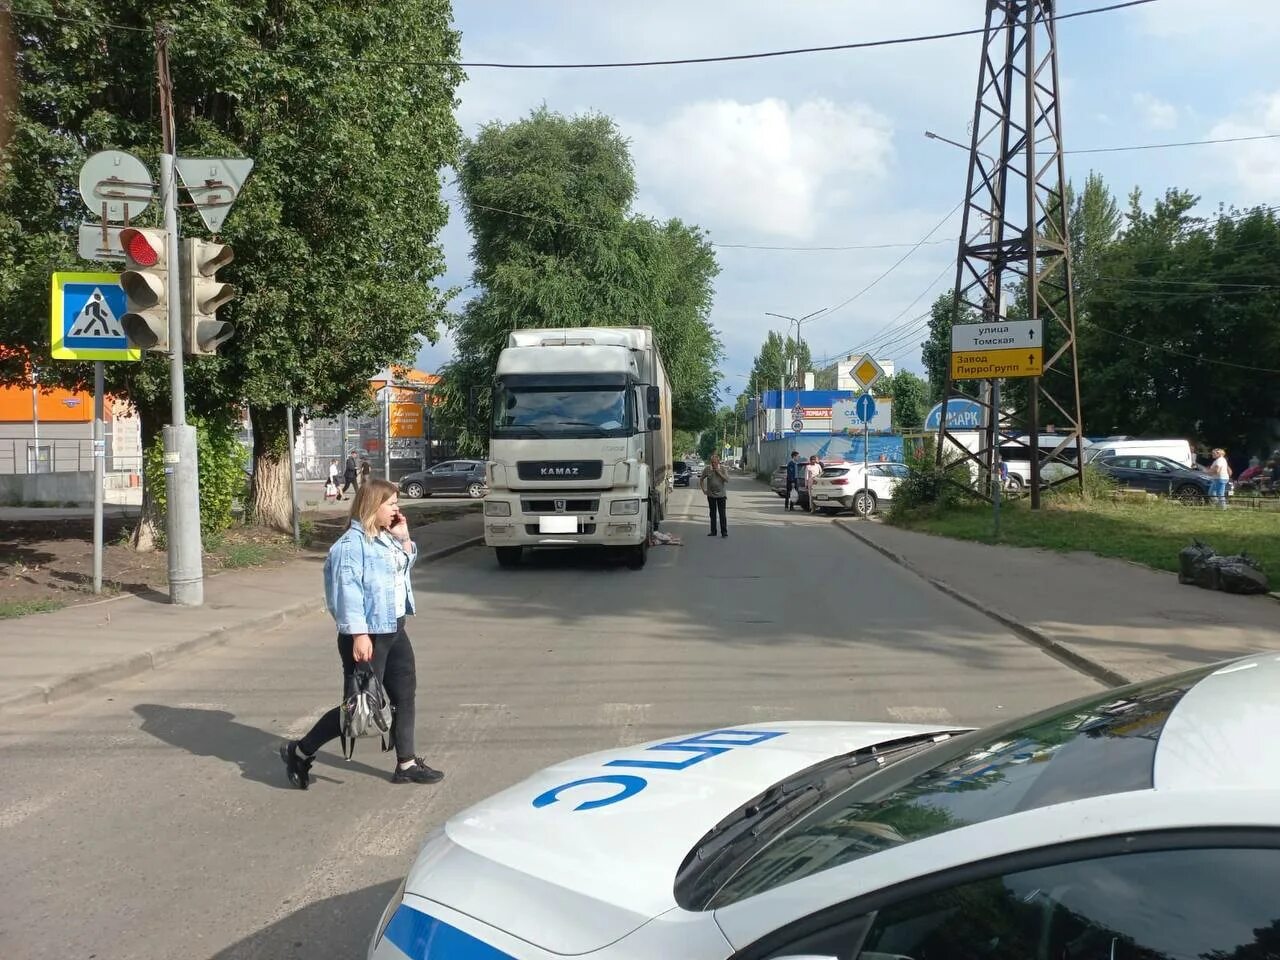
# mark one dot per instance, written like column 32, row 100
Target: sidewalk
column 1114, row 620
column 48, row 656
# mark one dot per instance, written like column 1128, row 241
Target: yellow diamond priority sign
column 866, row 372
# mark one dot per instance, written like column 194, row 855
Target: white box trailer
column 580, row 443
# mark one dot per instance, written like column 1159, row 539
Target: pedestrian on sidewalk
column 793, row 470
column 369, row 594
column 812, row 471
column 349, row 472
column 1220, row 471
column 333, row 480
column 713, row 481
column 366, row 471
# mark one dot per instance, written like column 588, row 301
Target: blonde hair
column 364, row 506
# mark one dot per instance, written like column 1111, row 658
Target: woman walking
column 368, row 592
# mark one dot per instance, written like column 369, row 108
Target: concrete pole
column 293, row 479
column 386, row 430
column 181, row 467
column 99, row 469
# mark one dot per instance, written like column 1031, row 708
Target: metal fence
column 20, row 456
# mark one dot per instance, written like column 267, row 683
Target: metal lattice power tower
column 1014, row 244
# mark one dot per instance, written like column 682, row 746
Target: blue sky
column 829, row 150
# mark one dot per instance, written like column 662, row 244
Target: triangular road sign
column 214, row 183
column 96, row 319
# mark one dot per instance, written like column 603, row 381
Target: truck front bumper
column 537, row 519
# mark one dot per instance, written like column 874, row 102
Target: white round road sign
column 117, row 179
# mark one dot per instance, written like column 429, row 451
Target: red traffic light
column 138, row 247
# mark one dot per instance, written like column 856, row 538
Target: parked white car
column 842, row 486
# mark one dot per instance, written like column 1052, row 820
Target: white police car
column 1138, row 824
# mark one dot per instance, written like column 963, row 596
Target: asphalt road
column 151, row 819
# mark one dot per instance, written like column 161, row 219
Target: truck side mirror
column 653, row 400
column 655, row 422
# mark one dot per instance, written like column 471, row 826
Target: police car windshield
column 1090, row 748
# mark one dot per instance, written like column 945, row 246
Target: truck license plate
column 557, row 524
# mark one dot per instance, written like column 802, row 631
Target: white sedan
column 1137, row 824
column 845, row 486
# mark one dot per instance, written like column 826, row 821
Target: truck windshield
column 522, row 411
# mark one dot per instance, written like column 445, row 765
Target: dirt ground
column 49, row 563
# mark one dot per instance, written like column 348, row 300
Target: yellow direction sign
column 85, row 317
column 989, row 364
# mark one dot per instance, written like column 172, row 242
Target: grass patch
column 246, row 555
column 23, row 608
column 1147, row 533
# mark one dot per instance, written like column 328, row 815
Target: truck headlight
column 624, row 508
column 497, row 508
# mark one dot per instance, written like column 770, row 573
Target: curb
column 152, row 659
column 1037, row 638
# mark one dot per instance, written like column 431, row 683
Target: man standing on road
column 713, row 480
column 333, row 479
column 812, row 471
column 793, row 468
column 1220, row 471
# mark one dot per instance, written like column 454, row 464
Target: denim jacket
column 360, row 582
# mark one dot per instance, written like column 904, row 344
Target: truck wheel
column 638, row 555
column 509, row 557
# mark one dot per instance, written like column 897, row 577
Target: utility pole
column 1018, row 116
column 181, row 467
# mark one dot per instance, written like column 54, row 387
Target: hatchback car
column 1138, row 823
column 841, row 486
column 1157, row 475
column 681, row 474
column 458, row 477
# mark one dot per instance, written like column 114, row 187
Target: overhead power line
column 1180, row 143
column 681, row 61
column 1180, row 353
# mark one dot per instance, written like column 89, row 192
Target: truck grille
column 532, row 530
column 559, row 469
column 570, row 506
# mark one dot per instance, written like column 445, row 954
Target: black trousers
column 716, row 506
column 394, row 665
column 348, row 480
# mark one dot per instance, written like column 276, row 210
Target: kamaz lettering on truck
column 580, row 444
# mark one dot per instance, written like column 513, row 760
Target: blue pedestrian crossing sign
column 85, row 311
column 865, row 407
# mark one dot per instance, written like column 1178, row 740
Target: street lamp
column 782, row 399
column 937, row 136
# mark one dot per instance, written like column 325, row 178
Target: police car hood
column 584, row 852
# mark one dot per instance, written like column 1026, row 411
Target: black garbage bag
column 1192, row 562
column 1240, row 575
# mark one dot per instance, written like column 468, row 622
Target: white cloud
column 1157, row 114
column 767, row 166
column 1255, row 165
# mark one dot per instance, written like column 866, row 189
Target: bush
column 220, row 476
column 928, row 486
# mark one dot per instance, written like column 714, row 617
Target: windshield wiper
column 581, row 423
column 787, row 801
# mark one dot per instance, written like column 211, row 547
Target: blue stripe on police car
column 420, row 936
column 701, row 747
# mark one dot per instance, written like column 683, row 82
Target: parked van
column 1178, row 451
column 1015, row 454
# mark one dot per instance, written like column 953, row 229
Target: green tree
column 935, row 352
column 548, row 200
column 777, row 356
column 909, row 394
column 1180, row 337
column 335, row 232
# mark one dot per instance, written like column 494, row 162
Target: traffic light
column 146, row 287
column 203, row 294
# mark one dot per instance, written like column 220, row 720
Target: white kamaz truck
column 580, row 445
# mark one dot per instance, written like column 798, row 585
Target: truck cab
column 579, row 445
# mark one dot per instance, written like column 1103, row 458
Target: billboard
column 844, row 418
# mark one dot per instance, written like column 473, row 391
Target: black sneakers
column 418, row 773
column 296, row 766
